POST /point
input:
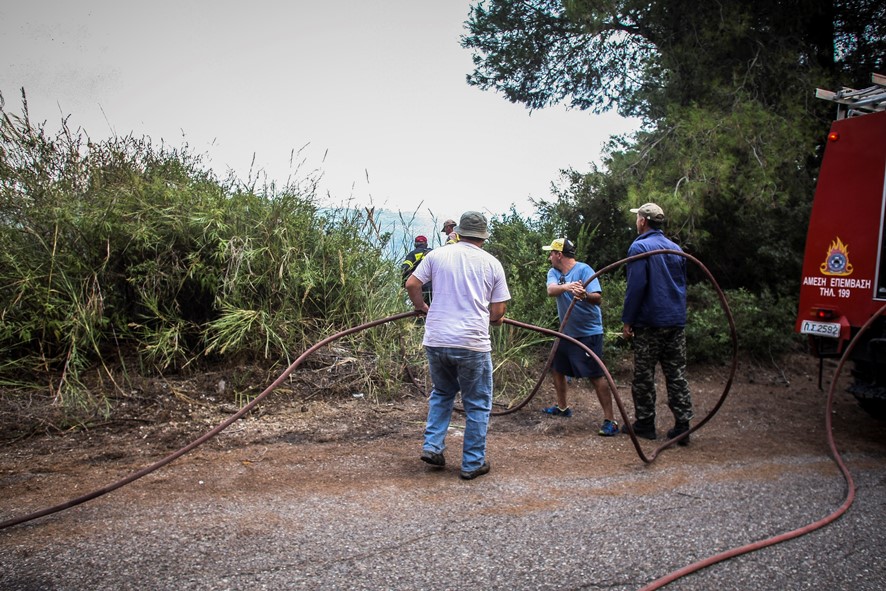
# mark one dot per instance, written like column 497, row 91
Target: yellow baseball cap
column 563, row 245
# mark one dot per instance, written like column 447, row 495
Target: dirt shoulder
column 769, row 410
column 313, row 468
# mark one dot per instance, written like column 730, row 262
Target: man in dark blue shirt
column 654, row 316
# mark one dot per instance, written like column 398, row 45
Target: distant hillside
column 404, row 227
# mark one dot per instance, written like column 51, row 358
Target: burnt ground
column 326, row 457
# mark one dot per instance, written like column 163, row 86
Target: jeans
column 452, row 370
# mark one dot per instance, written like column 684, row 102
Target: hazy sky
column 372, row 92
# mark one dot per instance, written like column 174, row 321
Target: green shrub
column 118, row 247
column 763, row 323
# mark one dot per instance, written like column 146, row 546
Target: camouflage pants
column 666, row 346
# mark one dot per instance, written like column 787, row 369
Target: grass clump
column 120, row 250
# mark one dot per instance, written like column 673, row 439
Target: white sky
column 373, row 88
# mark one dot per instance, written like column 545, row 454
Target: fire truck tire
column 875, row 408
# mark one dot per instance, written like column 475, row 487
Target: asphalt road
column 191, row 529
column 336, row 498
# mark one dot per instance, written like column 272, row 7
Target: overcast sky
column 372, row 92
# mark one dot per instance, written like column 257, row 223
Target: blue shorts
column 571, row 360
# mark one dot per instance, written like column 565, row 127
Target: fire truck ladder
column 851, row 102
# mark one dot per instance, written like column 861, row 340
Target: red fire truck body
column 844, row 265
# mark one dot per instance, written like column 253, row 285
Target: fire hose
column 795, row 533
column 301, row 358
column 558, row 335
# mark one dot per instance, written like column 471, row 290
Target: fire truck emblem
column 837, row 260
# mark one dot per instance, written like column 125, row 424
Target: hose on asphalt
column 796, row 533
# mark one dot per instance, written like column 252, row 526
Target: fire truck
column 844, row 264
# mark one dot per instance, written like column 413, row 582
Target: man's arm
column 627, row 331
column 578, row 291
column 635, row 290
column 555, row 289
column 593, row 297
column 413, row 288
column 497, row 312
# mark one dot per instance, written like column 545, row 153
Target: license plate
column 823, row 329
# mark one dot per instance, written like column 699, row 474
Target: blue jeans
column 452, row 370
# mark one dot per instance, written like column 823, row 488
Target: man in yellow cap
column 566, row 282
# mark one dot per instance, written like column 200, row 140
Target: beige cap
column 650, row 211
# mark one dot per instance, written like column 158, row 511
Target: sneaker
column 644, row 430
column 608, row 429
column 557, row 411
column 433, row 458
column 465, row 475
column 679, row 429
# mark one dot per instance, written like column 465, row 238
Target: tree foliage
column 588, row 209
column 642, row 56
column 731, row 136
column 536, row 54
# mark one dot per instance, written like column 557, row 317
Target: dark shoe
column 433, row 458
column 474, row 473
column 646, row 430
column 678, row 430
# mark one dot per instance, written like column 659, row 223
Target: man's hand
column 627, row 331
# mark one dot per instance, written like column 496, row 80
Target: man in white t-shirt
column 469, row 293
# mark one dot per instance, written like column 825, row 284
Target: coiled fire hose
column 559, row 335
column 613, row 388
column 295, row 364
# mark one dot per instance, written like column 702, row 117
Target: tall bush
column 763, row 322
column 118, row 248
column 123, row 250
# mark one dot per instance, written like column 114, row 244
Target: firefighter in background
column 449, row 231
column 412, row 260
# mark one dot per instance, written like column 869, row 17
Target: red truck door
column 844, row 267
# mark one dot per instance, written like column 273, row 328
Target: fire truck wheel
column 875, row 408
